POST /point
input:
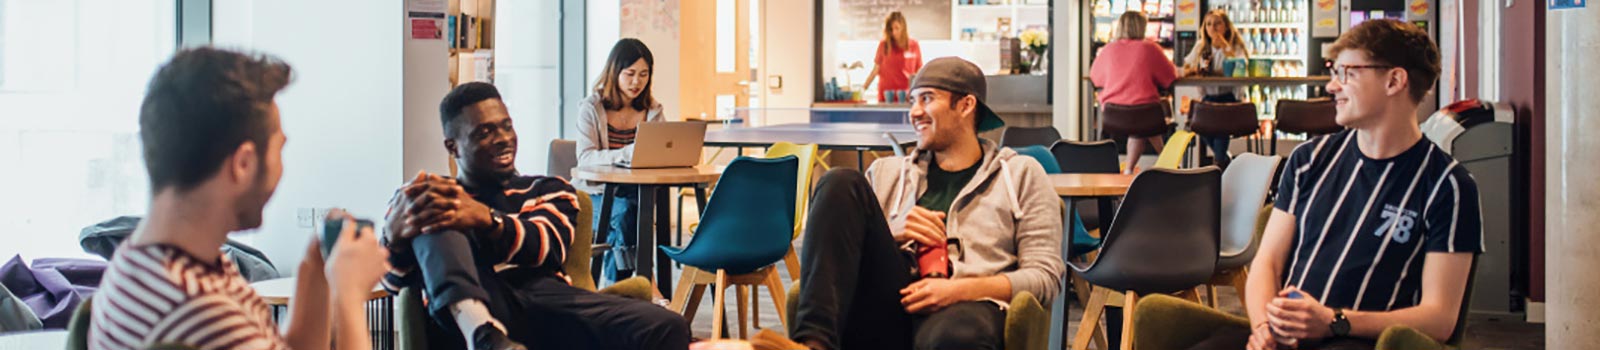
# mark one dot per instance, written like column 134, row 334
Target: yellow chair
column 808, row 159
column 1177, row 145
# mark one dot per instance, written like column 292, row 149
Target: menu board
column 863, row 19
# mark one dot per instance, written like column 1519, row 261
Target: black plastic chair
column 1016, row 137
column 1164, row 239
column 1307, row 117
column 1098, row 157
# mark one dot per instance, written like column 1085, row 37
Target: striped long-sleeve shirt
column 538, row 215
column 157, row 294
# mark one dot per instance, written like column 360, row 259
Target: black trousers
column 851, row 276
column 538, row 308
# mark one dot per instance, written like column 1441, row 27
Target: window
column 69, row 106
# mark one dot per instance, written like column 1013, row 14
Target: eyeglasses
column 1343, row 73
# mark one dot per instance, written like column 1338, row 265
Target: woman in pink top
column 897, row 60
column 1131, row 71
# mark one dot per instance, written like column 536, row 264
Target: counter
column 1245, row 81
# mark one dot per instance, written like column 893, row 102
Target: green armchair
column 413, row 316
column 78, row 331
column 1027, row 321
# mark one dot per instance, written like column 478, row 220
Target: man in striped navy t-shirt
column 1374, row 228
column 213, row 147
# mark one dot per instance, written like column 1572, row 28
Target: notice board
column 863, row 19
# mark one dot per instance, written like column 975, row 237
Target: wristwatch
column 1340, row 325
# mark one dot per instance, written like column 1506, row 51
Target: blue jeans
column 623, row 233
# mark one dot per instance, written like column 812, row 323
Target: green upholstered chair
column 1027, row 321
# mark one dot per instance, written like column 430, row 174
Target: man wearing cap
column 993, row 210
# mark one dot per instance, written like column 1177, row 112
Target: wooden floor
column 1483, row 332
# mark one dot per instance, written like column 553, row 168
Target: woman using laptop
column 608, row 121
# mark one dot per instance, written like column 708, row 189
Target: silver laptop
column 666, row 145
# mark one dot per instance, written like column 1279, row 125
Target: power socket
column 305, row 217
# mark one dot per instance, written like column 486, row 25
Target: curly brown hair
column 1395, row 43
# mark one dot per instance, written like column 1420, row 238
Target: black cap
column 958, row 75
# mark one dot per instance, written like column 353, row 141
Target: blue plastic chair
column 745, row 229
column 1082, row 242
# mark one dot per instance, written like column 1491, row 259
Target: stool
column 1308, row 117
column 1223, row 121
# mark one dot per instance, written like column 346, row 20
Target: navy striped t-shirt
column 1363, row 226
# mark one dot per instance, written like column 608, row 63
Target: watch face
column 1341, row 325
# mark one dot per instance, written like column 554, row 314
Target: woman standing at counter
column 608, row 120
column 898, row 57
column 1132, row 72
column 1218, row 43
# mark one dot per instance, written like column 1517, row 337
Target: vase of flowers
column 1035, row 43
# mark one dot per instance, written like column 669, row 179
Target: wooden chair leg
column 1091, row 319
column 779, row 298
column 743, row 297
column 685, row 286
column 718, row 309
column 755, row 306
column 1082, row 287
column 1240, row 283
column 1127, row 319
column 792, row 262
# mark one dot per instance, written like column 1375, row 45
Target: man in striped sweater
column 213, row 149
column 1374, row 229
column 487, row 248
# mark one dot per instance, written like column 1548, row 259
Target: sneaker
column 487, row 337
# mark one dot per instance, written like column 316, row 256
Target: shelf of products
column 470, row 31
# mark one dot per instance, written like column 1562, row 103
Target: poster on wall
column 1566, row 4
column 1325, row 19
column 925, row 19
column 1188, row 16
column 426, row 18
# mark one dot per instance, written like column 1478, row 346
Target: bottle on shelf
column 1282, row 40
column 1294, row 41
column 1272, row 11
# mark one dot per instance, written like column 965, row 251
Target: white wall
column 342, row 114
column 1066, row 51
column 527, row 73
column 604, row 28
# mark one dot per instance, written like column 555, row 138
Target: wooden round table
column 1071, row 187
column 1091, row 185
column 653, row 203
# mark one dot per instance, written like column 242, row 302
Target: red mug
column 933, row 261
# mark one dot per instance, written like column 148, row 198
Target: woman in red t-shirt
column 898, row 59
